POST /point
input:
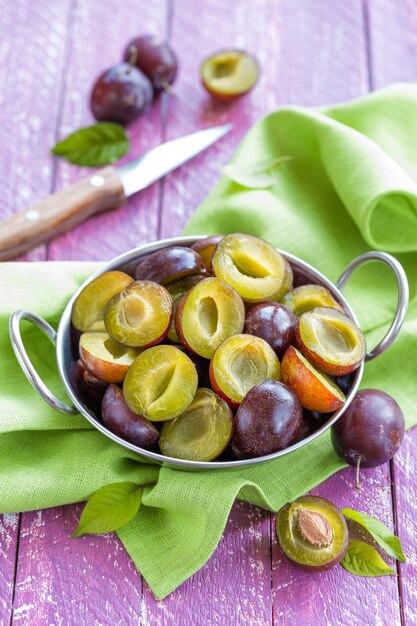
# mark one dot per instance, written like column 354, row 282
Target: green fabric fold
column 348, row 185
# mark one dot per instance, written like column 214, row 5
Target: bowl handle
column 402, row 303
column 26, row 364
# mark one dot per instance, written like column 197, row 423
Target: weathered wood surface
column 9, row 531
column 309, row 55
column 396, row 23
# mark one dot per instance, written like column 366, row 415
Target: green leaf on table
column 255, row 175
column 381, row 533
column 94, row 146
column 362, row 559
column 109, row 508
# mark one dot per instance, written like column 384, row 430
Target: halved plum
column 206, row 247
column 229, row 73
column 139, row 316
column 274, row 323
column 118, row 418
column 331, row 341
column 307, row 297
column 169, row 264
column 208, row 314
column 88, row 310
column 315, row 391
column 312, row 533
column 176, row 290
column 240, row 363
column 161, row 383
column 202, row 432
column 254, row 268
column 106, row 359
column 268, row 420
column 287, row 283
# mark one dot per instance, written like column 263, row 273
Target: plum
column 331, row 341
column 315, row 390
column 206, row 247
column 169, row 264
column 267, row 420
column 88, row 309
column 229, row 73
column 307, row 297
column 274, row 323
column 370, row 431
column 139, row 316
column 202, row 432
column 106, row 359
column 240, row 363
column 118, row 418
column 208, row 314
column 254, row 268
column 161, row 383
column 312, row 533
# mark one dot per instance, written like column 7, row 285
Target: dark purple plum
column 370, row 432
column 169, row 264
column 274, row 323
column 313, row 533
column 118, row 418
column 268, row 420
column 155, row 58
column 344, row 382
column 89, row 388
column 312, row 420
column 121, row 94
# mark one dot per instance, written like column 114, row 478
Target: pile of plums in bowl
column 209, row 352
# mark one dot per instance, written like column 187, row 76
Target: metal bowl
column 65, row 355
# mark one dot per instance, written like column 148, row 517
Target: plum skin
column 370, row 430
column 268, row 420
column 274, row 323
column 121, row 94
column 118, row 418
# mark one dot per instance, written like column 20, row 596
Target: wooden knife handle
column 101, row 191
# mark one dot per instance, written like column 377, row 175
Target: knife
column 102, row 190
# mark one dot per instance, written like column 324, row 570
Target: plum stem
column 133, row 55
column 167, row 87
column 358, row 465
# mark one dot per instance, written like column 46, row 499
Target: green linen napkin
column 348, row 185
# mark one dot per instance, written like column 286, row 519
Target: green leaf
column 363, row 560
column 381, row 533
column 255, row 175
column 109, row 508
column 94, row 146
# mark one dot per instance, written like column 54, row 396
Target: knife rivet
column 97, row 181
column 32, row 216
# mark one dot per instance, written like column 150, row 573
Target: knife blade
column 102, row 190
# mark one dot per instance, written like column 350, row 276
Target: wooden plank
column 308, row 56
column 393, row 57
column 60, row 580
column 100, row 32
column 234, row 587
column 404, row 468
column 9, row 529
column 33, row 42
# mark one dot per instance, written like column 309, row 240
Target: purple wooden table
column 311, row 53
